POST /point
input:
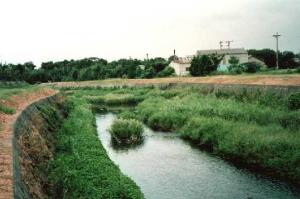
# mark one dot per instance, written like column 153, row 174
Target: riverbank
column 254, row 127
column 57, row 154
column 15, row 99
column 81, row 167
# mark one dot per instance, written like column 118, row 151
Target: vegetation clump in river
column 127, row 131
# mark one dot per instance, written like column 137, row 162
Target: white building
column 182, row 65
column 240, row 53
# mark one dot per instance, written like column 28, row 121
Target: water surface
column 166, row 167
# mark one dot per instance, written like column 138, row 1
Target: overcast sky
column 43, row 30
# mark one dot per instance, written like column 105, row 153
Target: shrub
column 202, row 65
column 128, row 115
column 251, row 67
column 168, row 71
column 127, row 131
column 116, row 99
column 290, row 120
column 294, row 101
column 234, row 65
column 166, row 121
column 203, row 131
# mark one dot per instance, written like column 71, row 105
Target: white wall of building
column 180, row 68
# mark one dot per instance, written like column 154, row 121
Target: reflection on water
column 166, row 167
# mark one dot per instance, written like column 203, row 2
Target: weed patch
column 127, row 131
column 81, row 167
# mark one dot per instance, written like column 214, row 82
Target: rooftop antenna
column 277, row 51
column 221, row 44
column 228, row 44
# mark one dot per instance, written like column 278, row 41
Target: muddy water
column 166, row 167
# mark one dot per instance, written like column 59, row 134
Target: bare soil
column 19, row 103
column 263, row 80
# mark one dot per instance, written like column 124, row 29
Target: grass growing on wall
column 82, row 168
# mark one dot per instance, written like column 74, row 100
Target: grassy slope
column 8, row 91
column 82, row 168
column 254, row 128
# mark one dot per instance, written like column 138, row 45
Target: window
column 187, row 68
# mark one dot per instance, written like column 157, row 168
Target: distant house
column 182, row 65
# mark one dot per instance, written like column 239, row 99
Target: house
column 182, row 65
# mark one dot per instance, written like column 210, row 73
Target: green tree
column 168, row 71
column 202, row 65
column 266, row 55
column 234, row 65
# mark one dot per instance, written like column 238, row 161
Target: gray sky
column 43, row 30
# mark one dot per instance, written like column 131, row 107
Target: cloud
column 64, row 29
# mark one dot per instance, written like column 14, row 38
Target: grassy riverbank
column 81, row 167
column 253, row 127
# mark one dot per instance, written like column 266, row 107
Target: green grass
column 127, row 131
column 269, row 147
column 171, row 114
column 115, row 99
column 7, row 110
column 6, row 92
column 81, row 167
column 278, row 72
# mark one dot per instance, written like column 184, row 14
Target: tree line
column 286, row 59
column 94, row 68
column 85, row 69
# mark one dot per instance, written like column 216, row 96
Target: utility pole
column 228, row 44
column 147, row 55
column 221, row 45
column 277, row 51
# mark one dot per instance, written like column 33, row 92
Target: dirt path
column 263, row 80
column 19, row 103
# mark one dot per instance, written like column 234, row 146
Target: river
column 167, row 167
